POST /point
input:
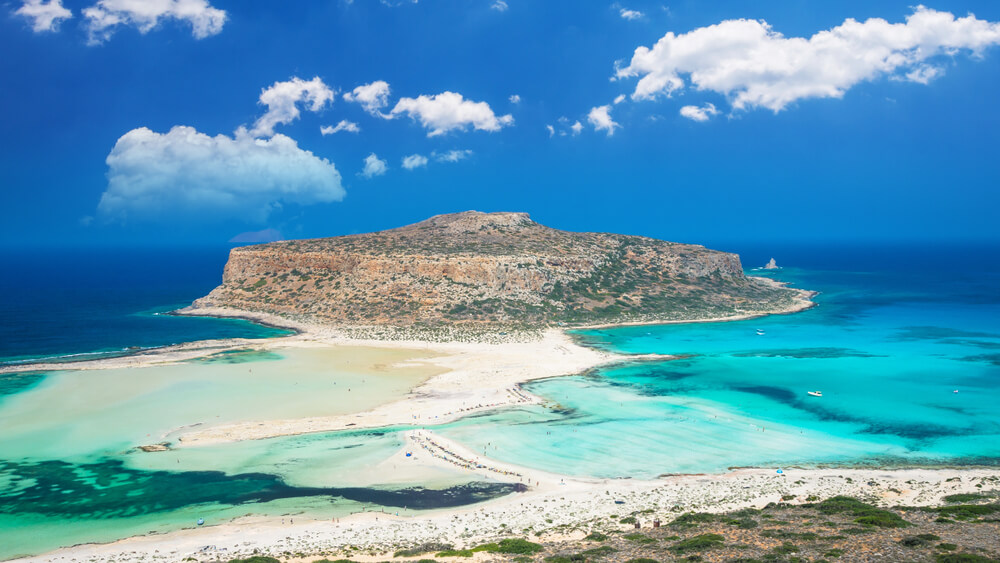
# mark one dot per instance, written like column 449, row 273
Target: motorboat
column 760, row 332
column 816, row 393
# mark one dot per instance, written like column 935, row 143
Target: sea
column 903, row 348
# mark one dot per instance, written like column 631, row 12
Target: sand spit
column 478, row 377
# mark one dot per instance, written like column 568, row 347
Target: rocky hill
column 476, row 268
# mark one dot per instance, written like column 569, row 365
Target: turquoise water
column 45, row 504
column 888, row 346
column 887, row 350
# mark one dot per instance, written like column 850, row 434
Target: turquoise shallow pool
column 887, row 350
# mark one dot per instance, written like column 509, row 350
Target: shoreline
column 553, row 508
column 478, row 376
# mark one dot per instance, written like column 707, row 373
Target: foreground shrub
column 693, row 519
column 864, row 514
column 599, row 551
column 518, row 547
column 422, row 549
column 964, row 497
column 698, row 543
column 967, row 511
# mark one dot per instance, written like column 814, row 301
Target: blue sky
column 128, row 121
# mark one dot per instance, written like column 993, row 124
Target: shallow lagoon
column 69, row 472
column 86, row 412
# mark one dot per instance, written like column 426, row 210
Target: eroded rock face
column 483, row 268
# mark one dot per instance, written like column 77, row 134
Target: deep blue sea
column 64, row 303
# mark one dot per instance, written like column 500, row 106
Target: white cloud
column 452, row 155
column 374, row 166
column 500, row 6
column 600, row 118
column 344, row 125
column 577, row 128
column 44, row 16
column 106, row 15
column 515, row 99
column 756, row 66
column 551, row 130
column 619, row 99
column 924, row 74
column 696, row 113
column 414, row 161
column 281, row 99
column 184, row 172
column 449, row 111
column 627, row 14
column 372, row 96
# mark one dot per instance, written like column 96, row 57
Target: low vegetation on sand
column 838, row 529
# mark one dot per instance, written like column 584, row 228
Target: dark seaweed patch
column 939, row 333
column 993, row 359
column 108, row 489
column 242, row 356
column 777, row 393
column 919, row 432
column 807, row 353
column 987, row 345
column 11, row 383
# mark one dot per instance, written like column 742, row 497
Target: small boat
column 816, row 393
column 760, row 332
column 201, row 521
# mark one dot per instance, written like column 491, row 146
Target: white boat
column 760, row 332
column 816, row 393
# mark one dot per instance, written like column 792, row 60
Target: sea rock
column 771, row 265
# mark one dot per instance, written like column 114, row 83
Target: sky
column 157, row 122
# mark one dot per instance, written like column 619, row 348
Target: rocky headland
column 477, row 269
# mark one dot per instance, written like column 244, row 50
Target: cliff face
column 478, row 268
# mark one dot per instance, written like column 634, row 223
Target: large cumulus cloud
column 183, row 171
column 755, row 66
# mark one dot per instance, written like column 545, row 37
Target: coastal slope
column 488, row 269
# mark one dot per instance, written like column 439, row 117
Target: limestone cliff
column 476, row 268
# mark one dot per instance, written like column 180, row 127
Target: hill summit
column 475, row 268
